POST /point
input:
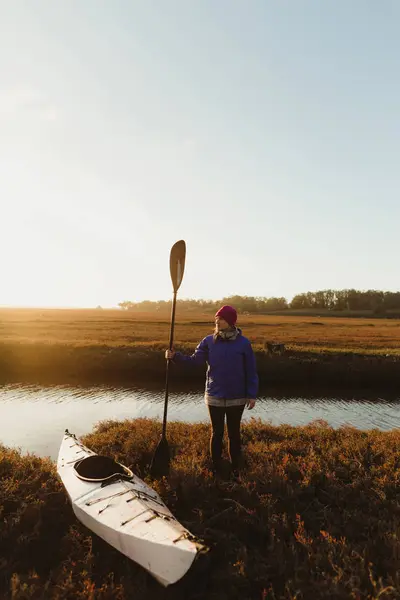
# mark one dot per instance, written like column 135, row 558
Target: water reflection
column 34, row 417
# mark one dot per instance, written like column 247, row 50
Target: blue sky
column 264, row 133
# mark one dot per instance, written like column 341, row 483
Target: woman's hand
column 169, row 354
column 250, row 403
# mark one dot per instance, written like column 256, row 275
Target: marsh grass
column 316, row 514
column 115, row 328
column 111, row 346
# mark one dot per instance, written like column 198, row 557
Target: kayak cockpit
column 99, row 468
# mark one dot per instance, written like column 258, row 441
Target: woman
column 231, row 382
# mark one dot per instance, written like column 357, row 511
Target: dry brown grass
column 315, row 515
column 115, row 328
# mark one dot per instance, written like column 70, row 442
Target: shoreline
column 126, row 365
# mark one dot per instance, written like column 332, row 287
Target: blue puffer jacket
column 231, row 371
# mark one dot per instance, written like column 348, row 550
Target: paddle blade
column 177, row 263
column 160, row 463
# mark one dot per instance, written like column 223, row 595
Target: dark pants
column 233, row 419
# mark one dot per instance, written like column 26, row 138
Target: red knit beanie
column 229, row 314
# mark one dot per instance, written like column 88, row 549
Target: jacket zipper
column 225, row 363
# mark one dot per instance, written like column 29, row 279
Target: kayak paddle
column 161, row 458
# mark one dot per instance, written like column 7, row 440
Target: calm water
column 34, row 418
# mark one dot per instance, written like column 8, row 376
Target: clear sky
column 264, row 133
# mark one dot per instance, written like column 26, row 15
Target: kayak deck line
column 145, row 496
column 160, row 515
column 72, row 462
column 186, row 535
column 136, row 516
column 91, row 502
column 137, row 495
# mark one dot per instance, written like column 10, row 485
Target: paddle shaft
column 171, row 343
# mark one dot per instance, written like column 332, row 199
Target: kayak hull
column 129, row 515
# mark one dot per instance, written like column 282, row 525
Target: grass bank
column 316, row 515
column 60, row 364
column 99, row 346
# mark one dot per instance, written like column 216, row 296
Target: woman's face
column 221, row 324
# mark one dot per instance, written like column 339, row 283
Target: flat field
column 116, row 328
column 125, row 348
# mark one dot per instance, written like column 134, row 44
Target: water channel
column 34, row 418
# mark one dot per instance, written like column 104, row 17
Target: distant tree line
column 372, row 300
column 333, row 300
column 242, row 304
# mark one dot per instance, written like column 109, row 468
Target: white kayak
column 125, row 512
